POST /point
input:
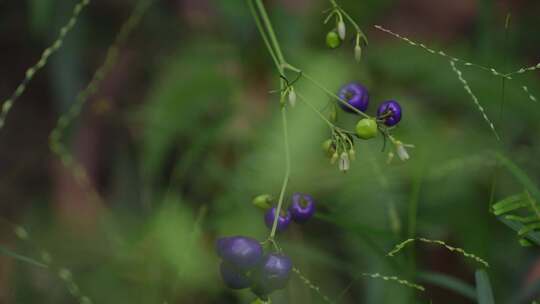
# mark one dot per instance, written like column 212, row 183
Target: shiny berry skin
column 241, row 252
column 366, row 128
column 273, row 273
column 390, row 112
column 232, row 277
column 302, row 207
column 355, row 95
column 283, row 222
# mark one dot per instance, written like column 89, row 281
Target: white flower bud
column 352, row 154
column 344, row 163
column 402, row 151
column 341, row 29
column 334, row 158
column 390, row 157
column 292, row 97
column 358, row 53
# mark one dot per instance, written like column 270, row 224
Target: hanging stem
column 287, row 172
column 265, row 28
column 349, row 18
column 501, row 109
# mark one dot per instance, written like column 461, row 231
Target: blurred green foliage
column 204, row 137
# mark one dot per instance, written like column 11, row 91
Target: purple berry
column 232, row 277
column 241, row 252
column 302, row 207
column 273, row 273
column 390, row 112
column 356, row 95
column 283, row 222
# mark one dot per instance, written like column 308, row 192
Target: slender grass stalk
column 399, row 247
column 501, row 109
column 55, row 138
column 32, row 71
column 474, row 98
column 311, row 285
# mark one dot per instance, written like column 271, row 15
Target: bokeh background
column 183, row 133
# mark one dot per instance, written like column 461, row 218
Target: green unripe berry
column 263, row 201
column 366, row 128
column 332, row 40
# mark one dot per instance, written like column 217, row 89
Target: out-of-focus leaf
column 176, row 237
column 532, row 236
column 510, row 203
column 484, row 294
column 450, row 283
column 520, row 175
column 41, row 13
column 193, row 93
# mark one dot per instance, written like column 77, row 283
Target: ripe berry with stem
column 356, row 95
column 272, row 274
column 302, row 207
column 241, row 252
column 283, row 221
column 233, row 277
column 389, row 112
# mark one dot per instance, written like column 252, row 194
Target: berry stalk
column 265, row 28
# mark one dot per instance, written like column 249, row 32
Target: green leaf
column 521, row 219
column 484, row 293
column 511, row 207
column 450, row 283
column 509, row 204
column 528, row 228
column 532, row 236
column 525, row 243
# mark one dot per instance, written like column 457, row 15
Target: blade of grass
column 448, row 282
column 531, row 236
column 484, row 294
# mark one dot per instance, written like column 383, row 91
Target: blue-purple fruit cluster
column 357, row 98
column 244, row 265
column 301, row 209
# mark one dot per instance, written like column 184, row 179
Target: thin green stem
column 327, row 91
column 271, row 33
column 349, row 18
column 263, row 34
column 321, row 115
column 501, row 109
column 274, row 48
column 287, row 171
